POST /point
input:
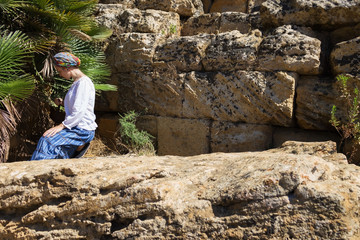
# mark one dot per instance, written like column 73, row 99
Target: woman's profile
column 70, row 138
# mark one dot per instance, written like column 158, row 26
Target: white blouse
column 79, row 105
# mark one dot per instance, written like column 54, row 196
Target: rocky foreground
column 298, row 191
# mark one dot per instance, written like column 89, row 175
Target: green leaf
column 105, row 87
column 17, row 89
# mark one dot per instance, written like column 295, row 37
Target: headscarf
column 66, row 59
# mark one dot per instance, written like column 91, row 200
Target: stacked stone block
column 229, row 75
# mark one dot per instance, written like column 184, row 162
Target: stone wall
column 228, row 75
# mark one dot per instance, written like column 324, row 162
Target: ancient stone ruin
column 228, row 76
column 225, row 84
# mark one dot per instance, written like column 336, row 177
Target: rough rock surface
column 123, row 20
column 232, row 51
column 299, row 191
column 288, row 49
column 214, row 23
column 248, row 96
column 324, row 14
column 345, row 57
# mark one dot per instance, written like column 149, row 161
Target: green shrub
column 136, row 141
column 349, row 127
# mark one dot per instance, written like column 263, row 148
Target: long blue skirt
column 63, row 144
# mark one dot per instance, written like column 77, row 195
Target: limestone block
column 251, row 97
column 183, row 137
column 232, row 51
column 345, row 57
column 108, row 125
column 344, row 34
column 124, row 20
column 214, row 23
column 184, row 53
column 234, row 21
column 314, row 101
column 206, row 23
column 282, row 135
column 229, row 6
column 186, row 8
column 150, row 21
column 287, row 49
column 327, row 14
column 240, row 137
column 107, row 15
column 133, row 51
column 159, row 92
column 148, row 123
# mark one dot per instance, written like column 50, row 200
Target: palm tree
column 15, row 84
column 43, row 28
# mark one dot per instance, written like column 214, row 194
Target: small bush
column 349, row 127
column 136, row 141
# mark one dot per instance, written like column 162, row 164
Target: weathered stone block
column 108, row 125
column 150, row 21
column 183, row 137
column 314, row 101
column 287, row 49
column 184, row 53
column 126, row 20
column 251, row 97
column 232, row 51
column 186, row 8
column 240, row 137
column 133, row 51
column 205, row 23
column 159, row 92
column 230, row 21
column 327, row 14
column 215, row 23
column 229, row 6
column 107, row 15
column 148, row 123
column 345, row 57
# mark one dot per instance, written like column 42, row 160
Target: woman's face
column 63, row 72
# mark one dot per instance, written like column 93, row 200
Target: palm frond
column 17, row 89
column 105, row 87
column 10, row 6
column 16, row 49
column 80, row 35
column 76, row 21
column 99, row 33
column 85, row 7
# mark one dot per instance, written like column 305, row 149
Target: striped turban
column 66, row 59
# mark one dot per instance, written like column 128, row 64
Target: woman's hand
column 54, row 130
column 59, row 101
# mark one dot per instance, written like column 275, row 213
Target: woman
column 78, row 129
